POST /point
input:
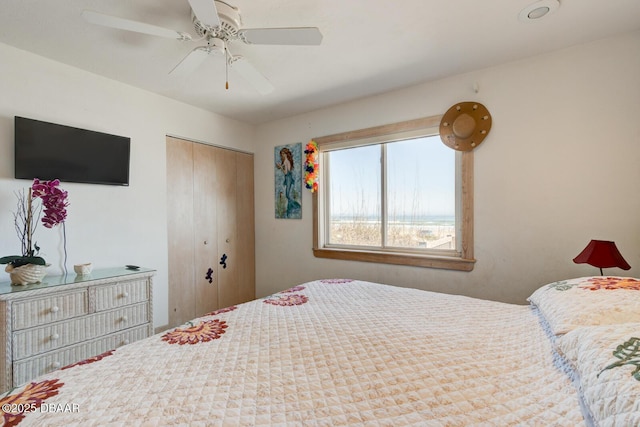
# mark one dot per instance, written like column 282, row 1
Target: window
column 395, row 194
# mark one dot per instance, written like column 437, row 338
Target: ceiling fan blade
column 129, row 25
column 251, row 75
column 190, row 62
column 303, row 36
column 205, row 11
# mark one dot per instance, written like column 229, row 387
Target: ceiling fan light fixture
column 538, row 10
column 216, row 47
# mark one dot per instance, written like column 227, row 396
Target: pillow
column 588, row 301
column 607, row 362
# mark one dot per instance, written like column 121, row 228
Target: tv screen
column 49, row 151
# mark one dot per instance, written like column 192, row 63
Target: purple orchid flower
column 54, row 200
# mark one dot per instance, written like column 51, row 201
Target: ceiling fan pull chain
column 226, row 66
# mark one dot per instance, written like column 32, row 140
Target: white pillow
column 607, row 362
column 588, row 301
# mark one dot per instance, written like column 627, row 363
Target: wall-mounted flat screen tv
column 48, row 151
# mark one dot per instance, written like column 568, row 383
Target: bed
column 347, row 352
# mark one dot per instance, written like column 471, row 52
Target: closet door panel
column 205, row 206
column 227, row 237
column 180, row 228
column 245, row 228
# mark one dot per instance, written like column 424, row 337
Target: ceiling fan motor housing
column 230, row 23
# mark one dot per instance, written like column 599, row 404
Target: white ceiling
column 369, row 46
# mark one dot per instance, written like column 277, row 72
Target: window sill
column 427, row 261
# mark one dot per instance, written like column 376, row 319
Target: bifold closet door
column 211, row 229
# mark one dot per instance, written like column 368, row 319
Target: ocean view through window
column 394, row 194
column 412, row 207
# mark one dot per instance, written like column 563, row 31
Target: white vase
column 26, row 274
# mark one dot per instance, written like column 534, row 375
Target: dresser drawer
column 30, row 342
column 121, row 293
column 27, row 369
column 47, row 309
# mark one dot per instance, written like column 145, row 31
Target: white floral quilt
column 325, row 353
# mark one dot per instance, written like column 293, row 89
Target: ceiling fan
column 219, row 24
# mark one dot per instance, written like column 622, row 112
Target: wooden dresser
column 70, row 318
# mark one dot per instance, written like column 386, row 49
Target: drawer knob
column 125, row 342
column 54, row 309
column 54, row 337
column 125, row 295
column 124, row 318
column 55, row 365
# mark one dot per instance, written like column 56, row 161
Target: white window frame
column 459, row 259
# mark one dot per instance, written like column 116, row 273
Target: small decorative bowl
column 83, row 269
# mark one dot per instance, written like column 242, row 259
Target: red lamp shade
column 602, row 254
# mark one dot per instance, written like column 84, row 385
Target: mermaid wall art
column 288, row 181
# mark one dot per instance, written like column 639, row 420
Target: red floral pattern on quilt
column 287, row 300
column 294, row 289
column 203, row 332
column 222, row 310
column 90, row 360
column 28, row 399
column 611, row 283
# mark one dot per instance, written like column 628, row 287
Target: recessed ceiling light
column 538, row 10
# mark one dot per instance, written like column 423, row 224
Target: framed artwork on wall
column 288, row 181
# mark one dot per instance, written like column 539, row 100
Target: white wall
column 109, row 226
column 560, row 166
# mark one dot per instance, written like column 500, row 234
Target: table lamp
column 602, row 254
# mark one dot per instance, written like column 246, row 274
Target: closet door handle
column 223, row 261
column 209, row 275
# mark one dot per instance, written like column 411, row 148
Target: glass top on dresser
column 49, row 281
